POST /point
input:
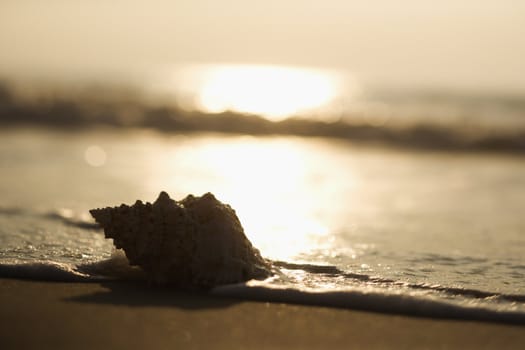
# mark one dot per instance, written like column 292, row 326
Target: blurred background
column 372, row 64
column 379, row 136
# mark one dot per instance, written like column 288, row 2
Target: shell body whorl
column 196, row 242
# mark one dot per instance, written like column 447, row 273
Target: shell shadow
column 136, row 294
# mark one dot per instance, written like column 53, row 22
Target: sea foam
column 383, row 297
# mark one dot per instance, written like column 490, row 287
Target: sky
column 477, row 45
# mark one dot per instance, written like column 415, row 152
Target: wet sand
column 44, row 315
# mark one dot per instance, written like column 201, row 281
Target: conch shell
column 197, row 242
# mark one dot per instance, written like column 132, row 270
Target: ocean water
column 430, row 233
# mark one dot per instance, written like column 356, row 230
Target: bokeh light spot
column 95, row 156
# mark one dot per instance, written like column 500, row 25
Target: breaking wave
column 420, row 121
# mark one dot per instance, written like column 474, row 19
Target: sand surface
column 44, row 315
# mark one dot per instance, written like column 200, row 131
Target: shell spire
column 196, row 242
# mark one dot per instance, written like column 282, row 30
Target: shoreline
column 117, row 315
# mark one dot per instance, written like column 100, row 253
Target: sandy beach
column 44, row 315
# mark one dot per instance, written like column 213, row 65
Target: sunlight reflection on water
column 442, row 218
column 270, row 184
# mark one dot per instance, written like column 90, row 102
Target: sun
column 274, row 92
